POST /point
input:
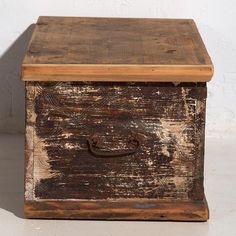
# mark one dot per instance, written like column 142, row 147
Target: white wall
column 216, row 20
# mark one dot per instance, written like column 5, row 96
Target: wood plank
column 120, row 209
column 116, row 73
column 116, row 49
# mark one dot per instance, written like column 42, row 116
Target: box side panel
column 168, row 120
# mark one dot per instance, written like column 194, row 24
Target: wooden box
column 115, row 119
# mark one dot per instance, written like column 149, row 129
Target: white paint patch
column 42, row 168
column 165, row 151
column 69, row 146
column 150, row 162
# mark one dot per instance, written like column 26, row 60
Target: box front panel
column 114, row 140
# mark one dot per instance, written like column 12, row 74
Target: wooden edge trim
column 121, row 209
column 202, row 44
column 41, row 18
column 152, row 73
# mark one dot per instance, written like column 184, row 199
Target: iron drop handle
column 96, row 150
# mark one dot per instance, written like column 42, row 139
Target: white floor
column 220, row 182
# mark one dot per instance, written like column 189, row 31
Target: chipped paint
column 164, row 166
column 42, row 168
column 184, row 97
column 29, row 164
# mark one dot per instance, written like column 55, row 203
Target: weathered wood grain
column 167, row 119
column 121, row 209
column 116, row 49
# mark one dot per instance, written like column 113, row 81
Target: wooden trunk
column 97, row 149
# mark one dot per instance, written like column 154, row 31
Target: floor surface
column 220, row 184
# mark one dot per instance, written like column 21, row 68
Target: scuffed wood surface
column 168, row 119
column 116, row 49
column 121, row 209
column 84, row 40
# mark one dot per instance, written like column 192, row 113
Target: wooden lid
column 116, row 49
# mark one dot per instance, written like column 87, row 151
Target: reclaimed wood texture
column 129, row 209
column 116, row 49
column 168, row 120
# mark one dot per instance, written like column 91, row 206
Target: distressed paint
column 167, row 118
column 29, row 164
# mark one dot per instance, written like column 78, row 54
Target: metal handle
column 96, row 150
